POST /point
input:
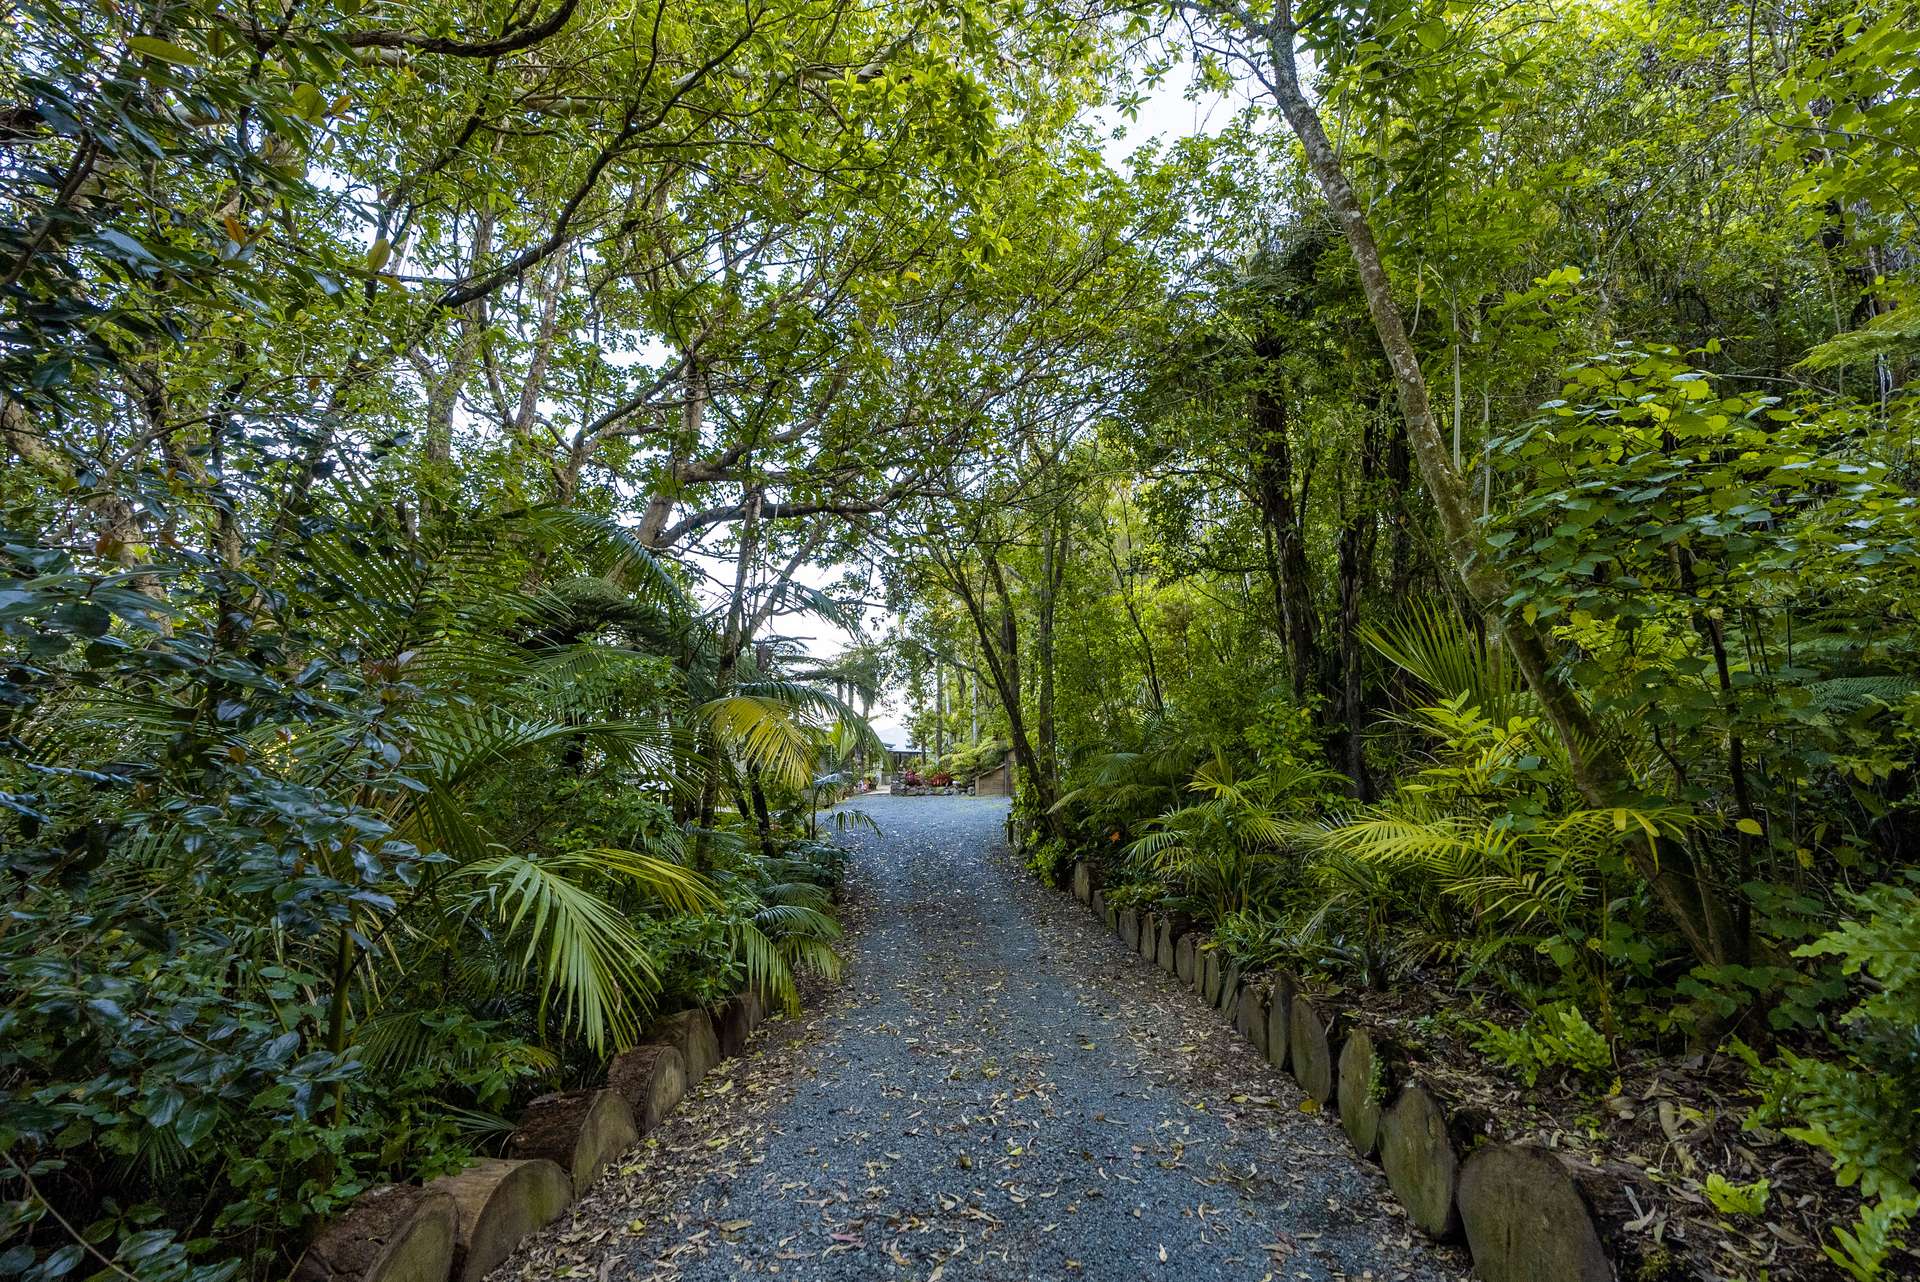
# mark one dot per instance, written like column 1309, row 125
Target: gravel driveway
column 998, row 1090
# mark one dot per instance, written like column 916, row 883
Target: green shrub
column 1047, row 859
column 1255, row 941
column 1557, row 1037
column 1862, row 1106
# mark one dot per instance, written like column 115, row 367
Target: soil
column 1663, row 1124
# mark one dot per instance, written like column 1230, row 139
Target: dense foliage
column 422, row 426
column 1494, row 571
column 1452, row 522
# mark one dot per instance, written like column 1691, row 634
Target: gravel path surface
column 997, row 1090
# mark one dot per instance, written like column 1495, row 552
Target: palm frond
column 765, row 964
column 616, row 551
column 823, row 703
column 402, row 1040
column 764, row 731
column 1436, row 646
column 849, row 820
column 805, row 893
column 582, row 948
column 806, row 954
column 665, row 879
column 783, row 920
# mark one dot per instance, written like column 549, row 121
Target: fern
column 1436, row 646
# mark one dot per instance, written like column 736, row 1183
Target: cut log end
column 1229, row 989
column 1251, row 1016
column 1420, row 1162
column 757, row 1008
column 1149, row 933
column 691, row 1033
column 652, row 1079
column 395, row 1233
column 732, row 1026
column 1083, row 881
column 1129, row 925
column 1310, row 1048
column 580, row 1130
column 1279, row 1019
column 1184, row 953
column 1525, row 1218
column 500, row 1202
column 1362, row 1090
column 1166, row 947
column 1210, row 977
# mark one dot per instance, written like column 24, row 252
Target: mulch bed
column 1673, row 1120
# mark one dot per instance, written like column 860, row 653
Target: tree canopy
column 1449, row 524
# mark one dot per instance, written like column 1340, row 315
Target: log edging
column 1366, row 1073
column 653, row 1079
column 1523, row 1212
column 1422, row 1162
column 1312, row 1037
column 393, row 1233
column 1526, row 1215
column 458, row 1228
column 579, row 1131
column 1083, row 881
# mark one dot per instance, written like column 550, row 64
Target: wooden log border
column 1526, row 1213
column 460, row 1227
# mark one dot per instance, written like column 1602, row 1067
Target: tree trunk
column 1599, row 771
column 1053, row 563
column 1355, row 555
column 1000, row 647
column 939, row 710
column 762, row 817
column 1287, row 550
column 693, row 418
column 552, row 283
column 1400, row 485
column 731, row 643
column 444, row 392
column 1122, row 584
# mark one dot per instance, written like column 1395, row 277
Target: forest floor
column 996, row 1090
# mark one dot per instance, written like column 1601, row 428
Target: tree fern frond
column 1846, row 695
